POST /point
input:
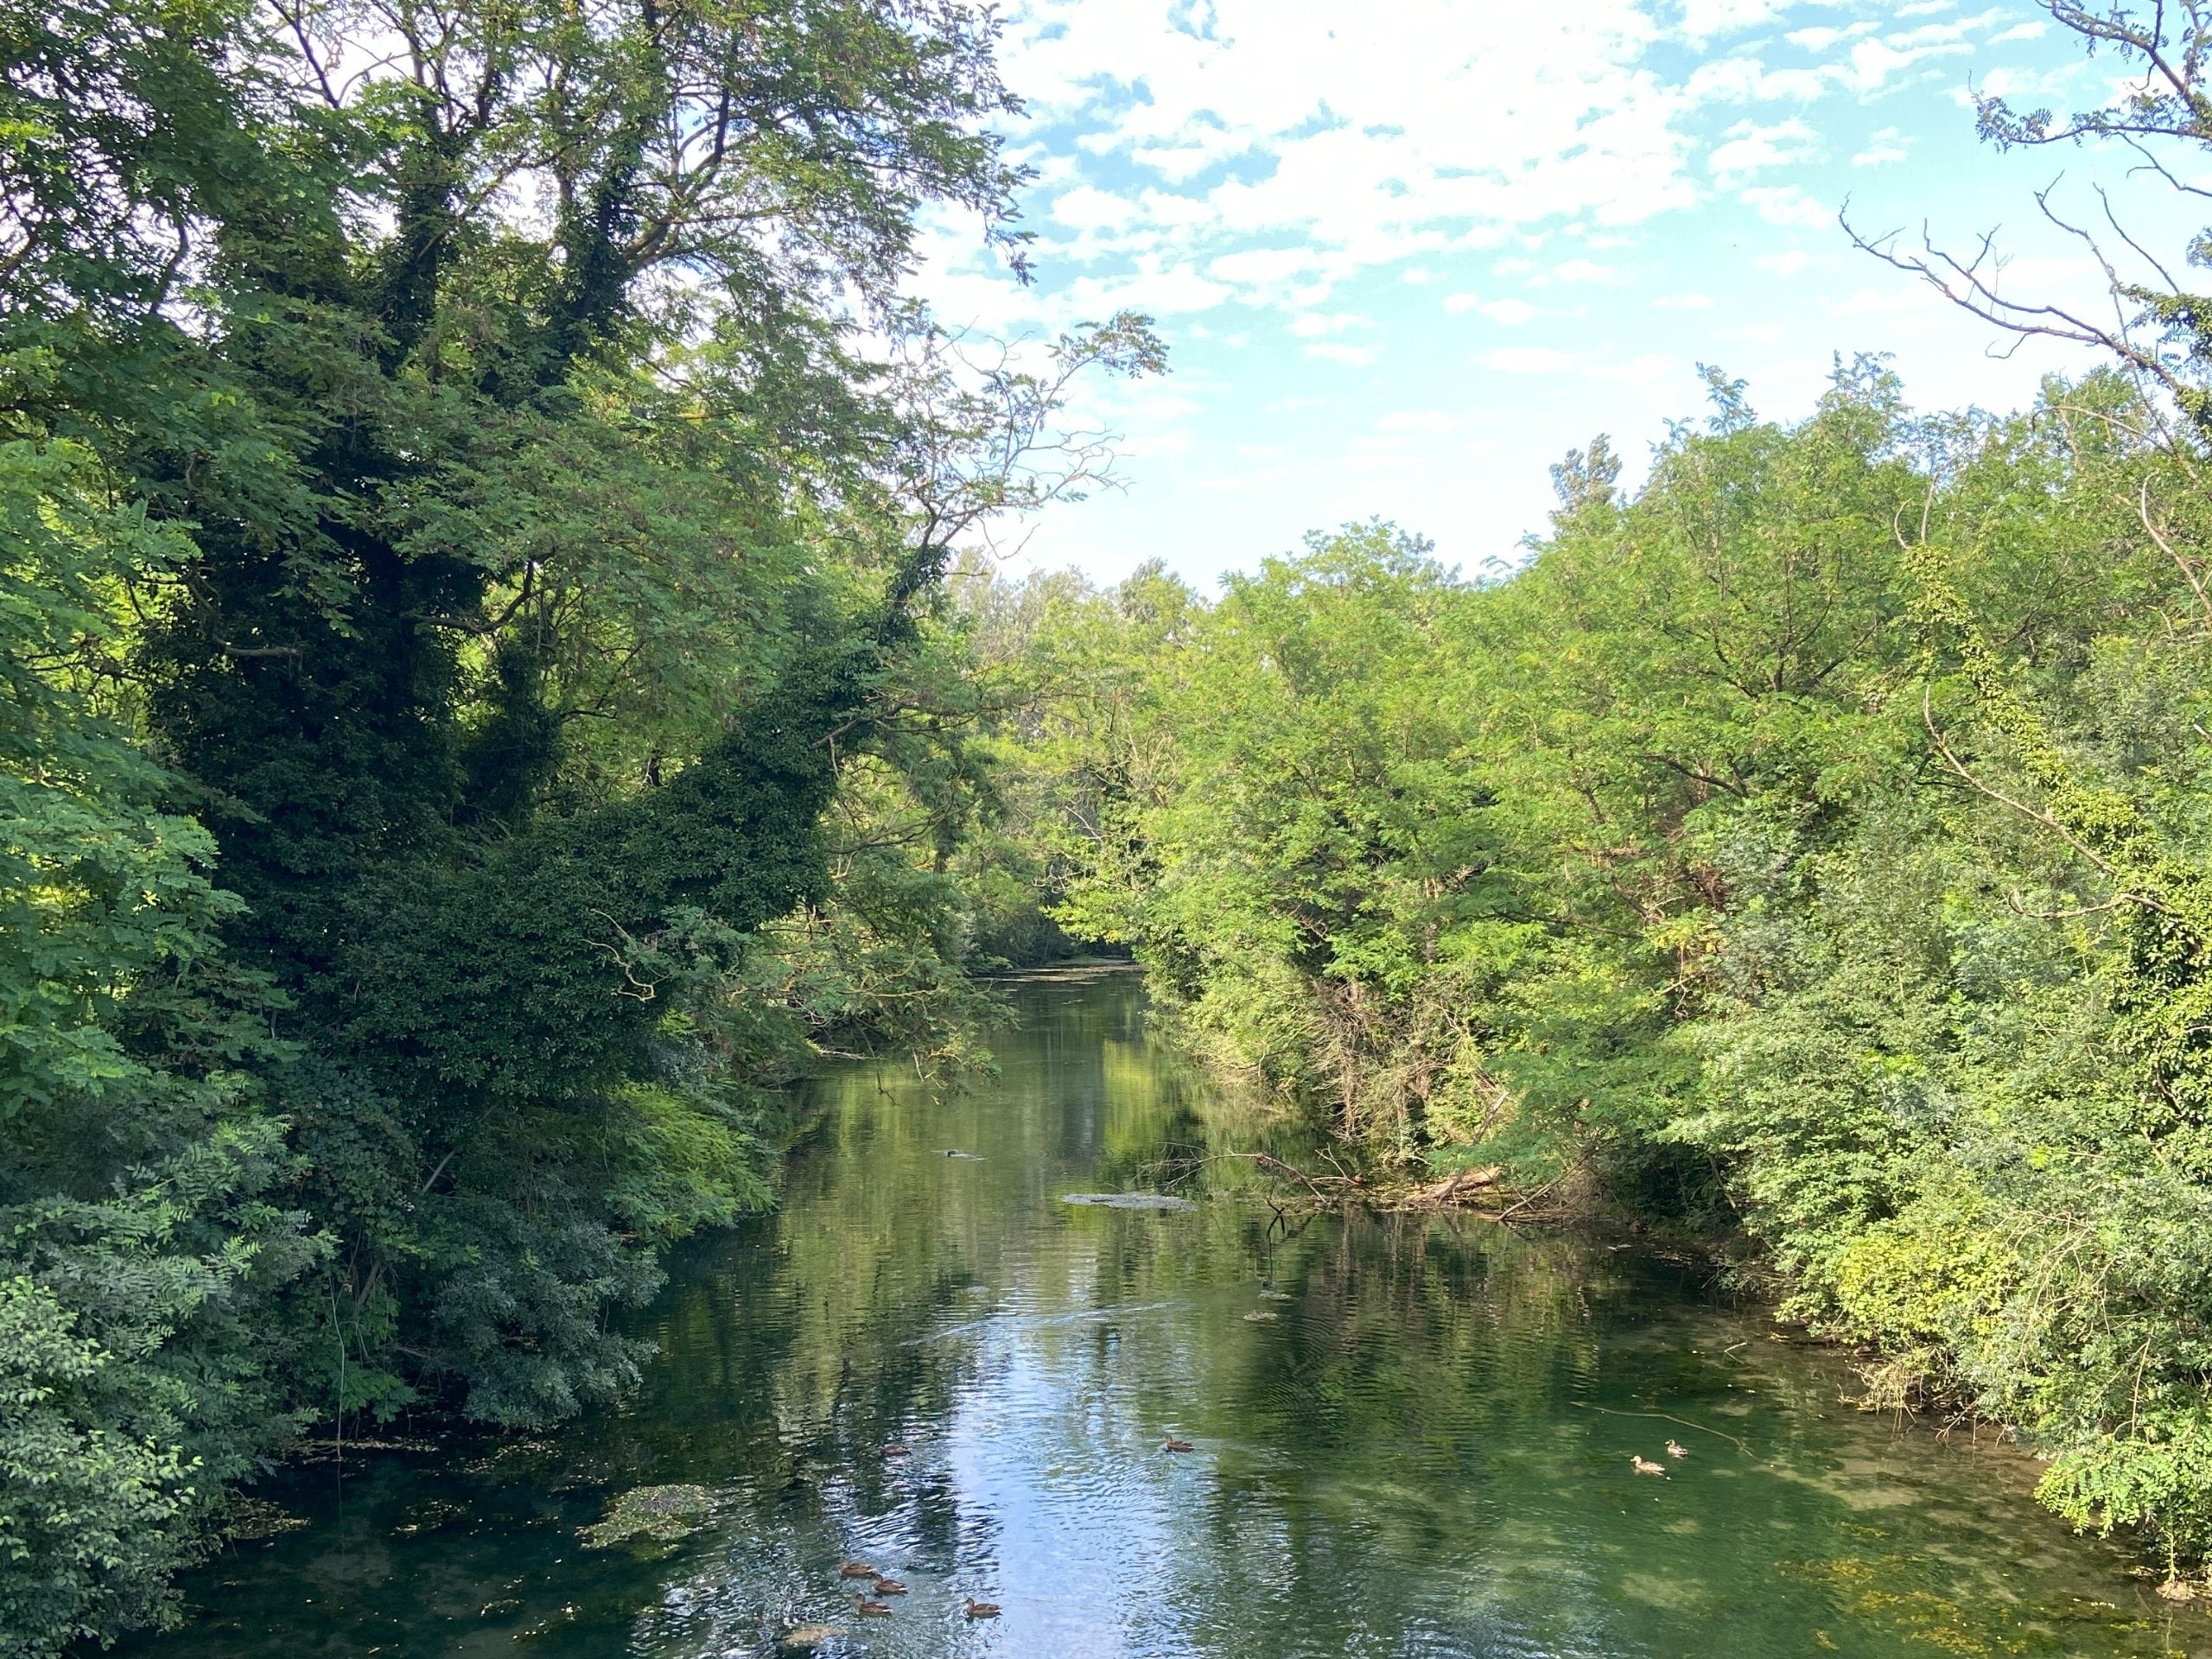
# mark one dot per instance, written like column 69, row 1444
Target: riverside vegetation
column 1809, row 848
column 483, row 705
column 477, row 707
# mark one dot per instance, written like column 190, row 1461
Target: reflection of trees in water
column 1371, row 1428
column 1413, row 1457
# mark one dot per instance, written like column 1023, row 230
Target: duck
column 981, row 1609
column 857, row 1570
column 1676, row 1449
column 871, row 1609
column 1171, row 1444
column 1644, row 1465
column 889, row 1587
column 898, row 1449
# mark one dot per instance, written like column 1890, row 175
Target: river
column 1410, row 1435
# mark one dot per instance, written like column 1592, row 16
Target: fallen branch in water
column 1461, row 1185
column 1324, row 1190
column 1273, row 1164
column 1463, row 1189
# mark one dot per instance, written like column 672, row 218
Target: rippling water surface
column 1411, row 1436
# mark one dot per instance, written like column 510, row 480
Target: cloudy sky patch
column 1366, row 230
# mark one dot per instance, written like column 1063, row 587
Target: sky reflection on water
column 1420, row 1446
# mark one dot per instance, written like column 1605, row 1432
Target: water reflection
column 1409, row 1436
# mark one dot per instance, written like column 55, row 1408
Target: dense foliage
column 1813, row 841
column 1809, row 845
column 479, row 702
column 482, row 699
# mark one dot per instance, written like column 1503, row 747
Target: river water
column 1411, row 1436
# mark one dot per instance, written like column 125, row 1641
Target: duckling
column 1676, row 1449
column 889, row 1587
column 1171, row 1444
column 871, row 1609
column 857, row 1570
column 1644, row 1465
column 981, row 1609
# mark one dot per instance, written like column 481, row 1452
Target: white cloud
column 1786, row 205
column 1874, row 64
column 1748, row 80
column 1086, row 208
column 1357, row 356
column 1747, row 149
column 1316, row 324
column 1586, row 270
column 1527, row 359
column 1890, row 144
column 1314, row 182
column 1283, row 149
column 1704, row 19
column 1820, row 39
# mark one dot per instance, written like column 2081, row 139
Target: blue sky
column 1407, row 252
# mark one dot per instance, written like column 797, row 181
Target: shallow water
column 1424, row 1452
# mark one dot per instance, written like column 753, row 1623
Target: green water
column 1426, row 1451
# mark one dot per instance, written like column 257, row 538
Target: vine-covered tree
column 451, row 455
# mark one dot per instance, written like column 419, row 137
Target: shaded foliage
column 469, row 477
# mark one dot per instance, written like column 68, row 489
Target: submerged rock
column 662, row 1513
column 1129, row 1200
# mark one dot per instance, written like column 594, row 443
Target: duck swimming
column 871, row 1609
column 981, row 1609
column 889, row 1587
column 857, row 1570
column 1171, row 1444
column 1645, row 1466
column 1676, row 1449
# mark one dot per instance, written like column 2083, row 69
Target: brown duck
column 1171, row 1444
column 981, row 1609
column 872, row 1609
column 889, row 1587
column 857, row 1570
